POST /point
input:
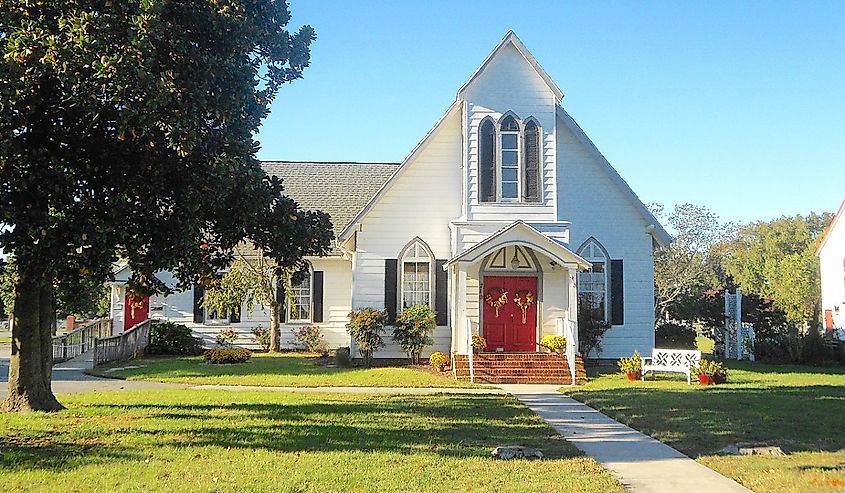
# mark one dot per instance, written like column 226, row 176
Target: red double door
column 507, row 325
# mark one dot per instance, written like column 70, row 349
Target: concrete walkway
column 639, row 462
column 70, row 377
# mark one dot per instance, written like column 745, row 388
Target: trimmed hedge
column 172, row 338
column 226, row 356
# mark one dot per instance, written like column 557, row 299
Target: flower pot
column 720, row 378
column 705, row 379
column 634, row 375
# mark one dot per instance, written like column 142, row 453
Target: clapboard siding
column 337, row 303
column 597, row 207
column 832, row 265
column 510, row 83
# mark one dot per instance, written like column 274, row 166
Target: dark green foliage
column 366, row 327
column 670, row 335
column 591, row 327
column 227, row 356
column 127, row 131
column 413, row 328
column 172, row 338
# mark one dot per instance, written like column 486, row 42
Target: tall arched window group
column 509, row 160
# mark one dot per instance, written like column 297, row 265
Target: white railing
column 124, row 346
column 569, row 330
column 469, row 351
column 74, row 343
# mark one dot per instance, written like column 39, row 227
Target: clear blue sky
column 739, row 106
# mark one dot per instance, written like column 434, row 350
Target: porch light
column 514, row 260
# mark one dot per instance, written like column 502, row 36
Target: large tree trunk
column 275, row 334
column 31, row 365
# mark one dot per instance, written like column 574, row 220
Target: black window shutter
column 487, row 162
column 199, row 294
column 317, row 296
column 441, row 294
column 235, row 316
column 617, row 293
column 532, row 163
column 390, row 281
column 280, row 299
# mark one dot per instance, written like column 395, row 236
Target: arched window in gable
column 531, row 179
column 416, row 275
column 487, row 161
column 509, row 159
column 593, row 283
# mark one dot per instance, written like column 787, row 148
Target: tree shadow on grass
column 703, row 421
column 453, row 426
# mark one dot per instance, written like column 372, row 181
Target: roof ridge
column 364, row 163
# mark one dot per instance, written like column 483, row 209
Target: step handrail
column 469, row 351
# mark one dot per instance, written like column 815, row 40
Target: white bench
column 671, row 360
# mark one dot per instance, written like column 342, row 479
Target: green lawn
column 6, row 340
column 282, row 370
column 184, row 440
column 800, row 409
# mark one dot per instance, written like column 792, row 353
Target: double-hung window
column 299, row 304
column 417, row 280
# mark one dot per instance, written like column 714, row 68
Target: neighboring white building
column 831, row 253
column 505, row 193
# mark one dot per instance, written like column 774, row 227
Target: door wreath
column 497, row 298
column 523, row 299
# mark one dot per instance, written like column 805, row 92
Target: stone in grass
column 752, row 449
column 510, row 452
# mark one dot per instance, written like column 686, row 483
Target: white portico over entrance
column 512, row 288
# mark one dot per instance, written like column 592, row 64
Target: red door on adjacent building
column 510, row 321
column 137, row 310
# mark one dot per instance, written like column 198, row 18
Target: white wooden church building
column 506, row 194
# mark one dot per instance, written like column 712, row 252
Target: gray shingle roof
column 340, row 190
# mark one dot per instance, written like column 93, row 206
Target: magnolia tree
column 126, row 131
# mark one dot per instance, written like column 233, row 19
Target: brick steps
column 520, row 368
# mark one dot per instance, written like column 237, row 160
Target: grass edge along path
column 798, row 408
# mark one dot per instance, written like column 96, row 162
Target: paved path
column 70, row 377
column 357, row 390
column 641, row 463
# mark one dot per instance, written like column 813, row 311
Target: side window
column 416, row 274
column 299, row 306
column 593, row 283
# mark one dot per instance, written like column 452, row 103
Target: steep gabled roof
column 339, row 189
column 839, row 213
column 527, row 235
column 344, row 233
column 512, row 39
column 660, row 234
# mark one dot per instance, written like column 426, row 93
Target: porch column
column 461, row 311
column 572, row 309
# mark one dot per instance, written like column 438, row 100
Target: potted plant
column 478, row 344
column 632, row 367
column 710, row 372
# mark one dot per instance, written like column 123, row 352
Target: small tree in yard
column 591, row 325
column 126, row 132
column 366, row 327
column 412, row 330
column 253, row 279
